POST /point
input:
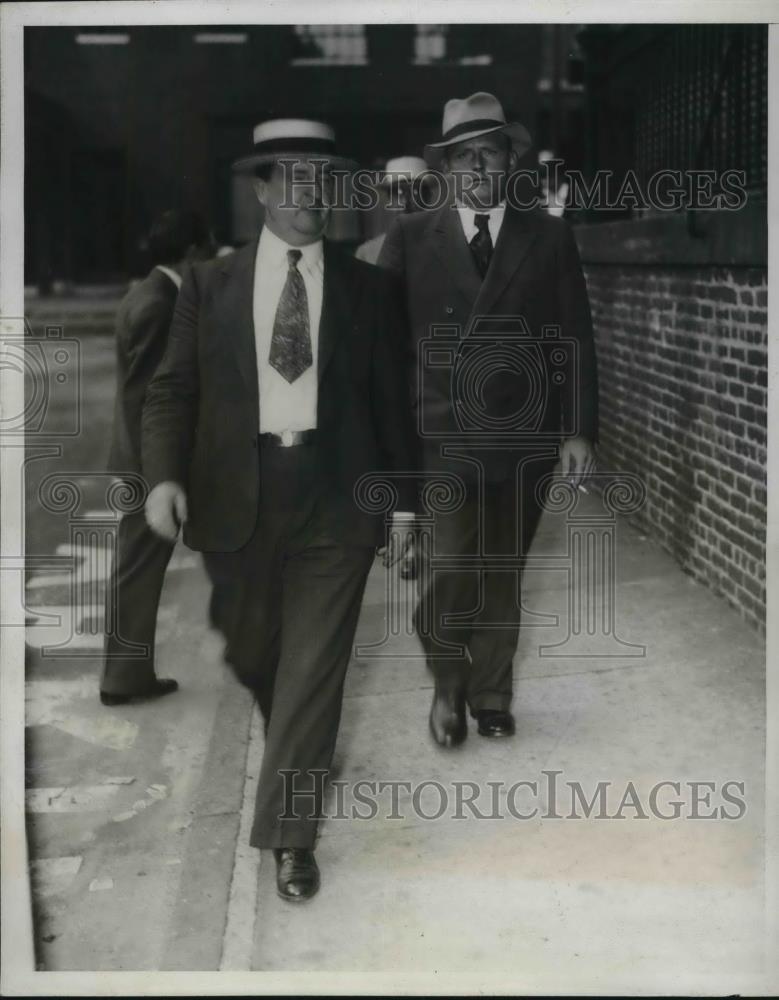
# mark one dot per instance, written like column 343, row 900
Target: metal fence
column 701, row 101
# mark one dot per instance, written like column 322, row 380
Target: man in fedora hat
column 282, row 386
column 401, row 182
column 503, row 351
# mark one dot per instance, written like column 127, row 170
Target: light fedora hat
column 469, row 117
column 403, row 168
column 290, row 137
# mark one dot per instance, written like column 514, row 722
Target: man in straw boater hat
column 405, row 181
column 503, row 347
column 283, row 384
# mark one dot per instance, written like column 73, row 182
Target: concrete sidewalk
column 545, row 902
column 502, row 904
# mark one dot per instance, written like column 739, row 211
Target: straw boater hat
column 472, row 116
column 403, row 168
column 289, row 137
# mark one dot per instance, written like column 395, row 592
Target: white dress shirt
column 283, row 405
column 469, row 225
column 173, row 275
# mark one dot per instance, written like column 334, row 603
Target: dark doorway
column 98, row 224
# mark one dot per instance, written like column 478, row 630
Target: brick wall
column 682, row 357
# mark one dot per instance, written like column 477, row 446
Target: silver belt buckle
column 287, row 438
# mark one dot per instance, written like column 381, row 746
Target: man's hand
column 166, row 510
column 577, row 460
column 399, row 544
column 400, row 541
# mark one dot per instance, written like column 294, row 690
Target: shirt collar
column 174, row 277
column 273, row 250
column 469, row 213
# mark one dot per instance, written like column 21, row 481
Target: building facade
column 122, row 123
column 680, row 296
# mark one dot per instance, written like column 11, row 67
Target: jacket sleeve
column 171, row 407
column 145, row 337
column 580, row 392
column 390, row 393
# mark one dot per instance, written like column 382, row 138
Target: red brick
column 684, row 405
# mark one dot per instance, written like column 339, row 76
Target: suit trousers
column 469, row 610
column 288, row 603
column 131, row 604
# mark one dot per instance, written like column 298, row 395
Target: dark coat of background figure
column 133, row 594
column 285, row 541
column 534, row 273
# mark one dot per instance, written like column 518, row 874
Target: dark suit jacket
column 535, row 274
column 142, row 327
column 200, row 421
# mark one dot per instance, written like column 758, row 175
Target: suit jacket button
column 449, row 310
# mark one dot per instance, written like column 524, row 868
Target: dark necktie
column 481, row 244
column 290, row 345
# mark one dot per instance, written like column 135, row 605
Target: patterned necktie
column 290, row 345
column 481, row 244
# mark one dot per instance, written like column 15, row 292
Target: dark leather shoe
column 161, row 687
column 493, row 722
column 297, row 873
column 447, row 717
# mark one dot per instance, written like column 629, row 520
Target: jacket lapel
column 336, row 305
column 514, row 241
column 455, row 255
column 236, row 311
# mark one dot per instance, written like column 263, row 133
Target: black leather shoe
column 493, row 722
column 447, row 717
column 297, row 873
column 161, row 687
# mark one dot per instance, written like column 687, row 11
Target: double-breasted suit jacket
column 535, row 274
column 501, row 369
